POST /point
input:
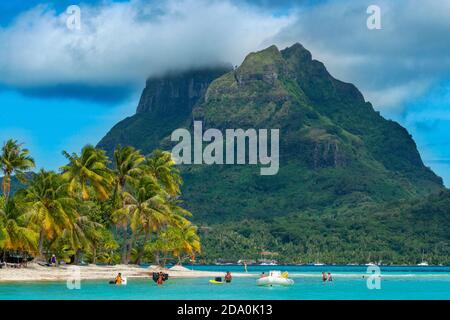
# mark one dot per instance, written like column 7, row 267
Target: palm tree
column 89, row 169
column 161, row 166
column 147, row 209
column 52, row 211
column 14, row 159
column 84, row 235
column 176, row 240
column 16, row 235
column 190, row 241
column 178, row 215
column 127, row 167
column 186, row 240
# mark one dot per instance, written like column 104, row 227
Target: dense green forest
column 403, row 232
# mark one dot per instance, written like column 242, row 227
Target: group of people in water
column 326, row 277
column 228, row 277
column 159, row 279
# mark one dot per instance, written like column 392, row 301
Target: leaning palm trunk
column 130, row 246
column 94, row 254
column 6, row 185
column 141, row 250
column 41, row 244
column 125, row 246
column 157, row 258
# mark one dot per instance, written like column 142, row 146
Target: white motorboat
column 423, row 264
column 275, row 278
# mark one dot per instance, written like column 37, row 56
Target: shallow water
column 396, row 283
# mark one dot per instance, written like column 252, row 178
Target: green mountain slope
column 334, row 147
column 338, row 156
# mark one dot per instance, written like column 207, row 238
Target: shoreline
column 37, row 273
column 34, row 272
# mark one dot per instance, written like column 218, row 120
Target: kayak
column 124, row 282
column 275, row 278
column 215, row 282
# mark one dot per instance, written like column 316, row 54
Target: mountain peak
column 265, row 65
column 297, row 51
column 266, row 56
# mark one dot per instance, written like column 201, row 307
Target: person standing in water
column 330, row 278
column 228, row 277
column 118, row 279
column 245, row 266
column 160, row 280
column 324, row 277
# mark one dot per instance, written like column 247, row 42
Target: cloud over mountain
column 121, row 44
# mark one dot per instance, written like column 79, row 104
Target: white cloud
column 124, row 43
column 121, row 44
column 391, row 66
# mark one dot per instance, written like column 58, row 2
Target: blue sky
column 61, row 89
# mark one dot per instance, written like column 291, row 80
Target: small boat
column 217, row 280
column 275, row 278
column 318, row 264
column 423, row 263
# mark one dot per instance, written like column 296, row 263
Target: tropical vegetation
column 95, row 210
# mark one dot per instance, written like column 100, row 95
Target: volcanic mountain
column 333, row 146
column 336, row 152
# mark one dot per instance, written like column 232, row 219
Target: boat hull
column 274, row 281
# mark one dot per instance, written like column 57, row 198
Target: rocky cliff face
column 177, row 92
column 166, row 104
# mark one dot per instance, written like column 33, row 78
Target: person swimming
column 228, row 277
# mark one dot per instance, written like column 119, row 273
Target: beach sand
column 35, row 272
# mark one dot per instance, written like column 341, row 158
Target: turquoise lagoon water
column 396, row 283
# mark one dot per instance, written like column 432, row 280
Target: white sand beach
column 36, row 272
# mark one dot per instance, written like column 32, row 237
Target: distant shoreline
column 36, row 273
